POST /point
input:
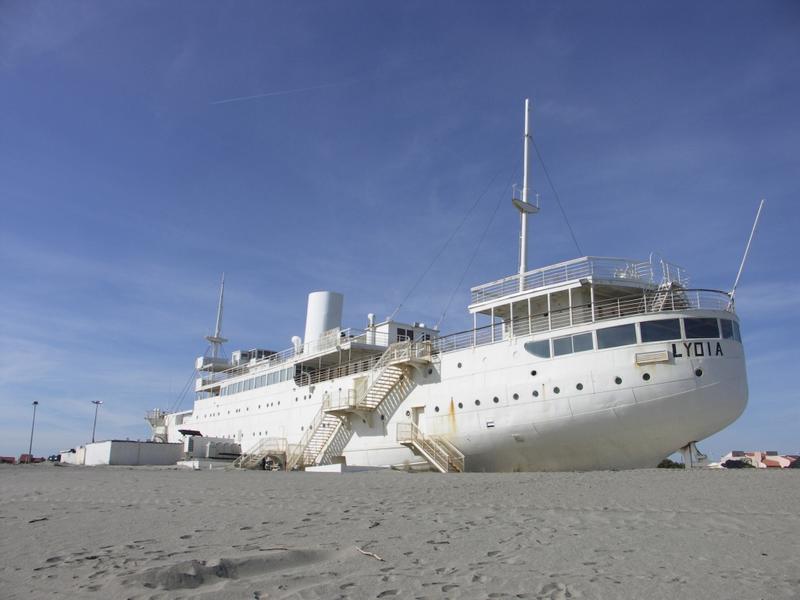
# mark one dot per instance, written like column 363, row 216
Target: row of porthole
column 557, row 390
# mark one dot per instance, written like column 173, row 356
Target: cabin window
column 562, row 346
column 701, row 328
column 540, row 348
column 572, row 343
column 727, row 328
column 658, row 331
column 737, row 334
column 404, row 334
column 621, row 335
column 582, row 342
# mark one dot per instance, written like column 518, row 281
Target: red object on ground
column 9, row 460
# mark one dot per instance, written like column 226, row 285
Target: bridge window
column 621, row 335
column 658, row 331
column 540, row 348
column 737, row 334
column 727, row 328
column 701, row 328
column 572, row 343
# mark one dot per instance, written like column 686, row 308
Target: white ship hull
column 604, row 425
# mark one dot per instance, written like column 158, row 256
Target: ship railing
column 598, row 268
column 603, row 310
column 440, row 451
column 332, row 339
column 344, row 399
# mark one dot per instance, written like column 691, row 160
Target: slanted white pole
column 523, row 235
column 747, row 249
column 218, row 328
column 217, row 340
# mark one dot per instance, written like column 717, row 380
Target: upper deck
column 615, row 271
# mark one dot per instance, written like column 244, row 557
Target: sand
column 116, row 532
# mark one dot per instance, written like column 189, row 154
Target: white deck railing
column 604, row 310
column 598, row 268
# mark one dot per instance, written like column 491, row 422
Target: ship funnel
column 324, row 313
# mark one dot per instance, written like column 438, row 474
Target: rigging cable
column 555, row 193
column 475, row 251
column 185, row 389
column 447, row 243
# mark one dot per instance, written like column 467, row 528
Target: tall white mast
column 217, row 340
column 523, row 205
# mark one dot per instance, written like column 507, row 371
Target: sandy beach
column 116, row 532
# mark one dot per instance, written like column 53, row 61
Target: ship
column 592, row 363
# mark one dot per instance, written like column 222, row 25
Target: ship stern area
column 627, row 415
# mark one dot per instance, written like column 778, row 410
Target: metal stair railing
column 438, row 451
column 262, row 448
column 387, row 373
column 301, row 454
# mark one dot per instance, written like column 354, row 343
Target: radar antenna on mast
column 524, row 207
column 217, row 340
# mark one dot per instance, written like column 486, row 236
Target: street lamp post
column 97, row 404
column 33, row 424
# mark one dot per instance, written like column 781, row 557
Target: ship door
column 418, row 417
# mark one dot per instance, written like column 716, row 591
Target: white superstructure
column 593, row 363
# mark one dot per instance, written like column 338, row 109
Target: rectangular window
column 701, row 328
column 562, row 346
column 737, row 334
column 727, row 328
column 540, row 348
column 582, row 342
column 611, row 337
column 659, row 331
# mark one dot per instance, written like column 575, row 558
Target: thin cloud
column 285, row 92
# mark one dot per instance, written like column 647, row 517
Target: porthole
column 436, row 408
column 533, row 373
column 430, row 371
column 495, row 399
column 618, row 380
column 698, row 372
column 383, row 417
column 646, row 376
column 459, row 365
column 460, row 405
column 408, row 413
column 556, row 390
column 477, row 402
column 579, row 387
column 516, row 396
column 535, row 393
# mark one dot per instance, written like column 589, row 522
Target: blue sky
column 127, row 185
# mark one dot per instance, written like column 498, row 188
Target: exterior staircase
column 384, row 377
column 439, row 452
column 261, row 449
column 315, row 440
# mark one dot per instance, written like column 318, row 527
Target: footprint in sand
column 557, row 591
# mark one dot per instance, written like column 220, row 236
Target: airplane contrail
column 284, row 92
